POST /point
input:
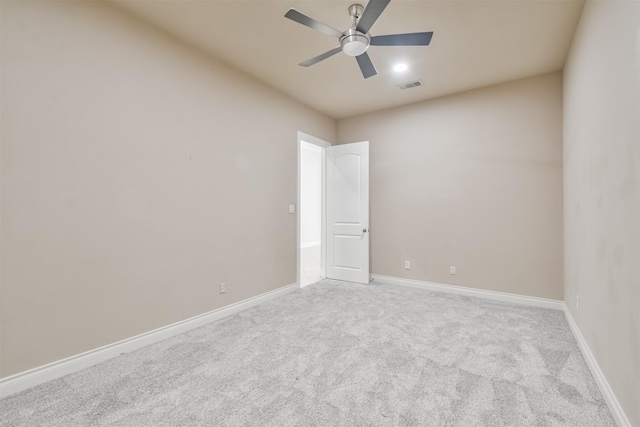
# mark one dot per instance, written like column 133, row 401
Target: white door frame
column 322, row 144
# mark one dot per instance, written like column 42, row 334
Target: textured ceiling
column 475, row 43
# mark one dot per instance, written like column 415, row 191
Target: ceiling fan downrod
column 355, row 12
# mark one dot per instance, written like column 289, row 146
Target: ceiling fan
column 356, row 40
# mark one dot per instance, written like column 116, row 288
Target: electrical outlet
column 223, row 287
column 578, row 302
column 407, row 265
column 452, row 269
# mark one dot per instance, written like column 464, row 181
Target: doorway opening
column 311, row 200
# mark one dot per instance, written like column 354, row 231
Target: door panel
column 348, row 212
column 345, row 252
column 346, row 189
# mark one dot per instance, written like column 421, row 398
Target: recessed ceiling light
column 400, row 67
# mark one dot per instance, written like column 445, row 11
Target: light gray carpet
column 339, row 354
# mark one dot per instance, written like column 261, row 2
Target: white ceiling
column 475, row 43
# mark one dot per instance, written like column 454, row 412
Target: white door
column 348, row 212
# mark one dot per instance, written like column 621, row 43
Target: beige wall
column 137, row 174
column 602, row 191
column 472, row 180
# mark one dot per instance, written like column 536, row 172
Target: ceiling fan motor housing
column 354, row 43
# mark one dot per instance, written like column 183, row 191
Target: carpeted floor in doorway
column 339, row 354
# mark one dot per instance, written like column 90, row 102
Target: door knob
column 364, row 230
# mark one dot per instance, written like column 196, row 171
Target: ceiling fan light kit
column 356, row 40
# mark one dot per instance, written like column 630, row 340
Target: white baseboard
column 471, row 292
column 27, row 379
column 612, row 402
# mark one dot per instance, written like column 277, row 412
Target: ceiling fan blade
column 316, row 59
column 371, row 14
column 366, row 66
column 411, row 39
column 300, row 18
